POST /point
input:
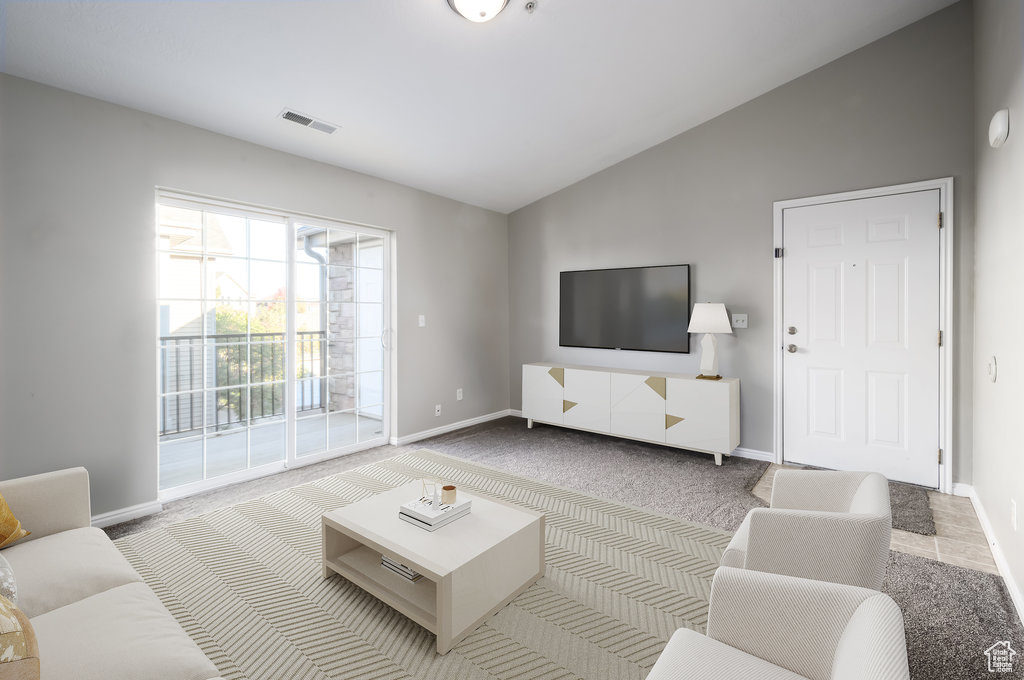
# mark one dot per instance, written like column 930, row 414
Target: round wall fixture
column 478, row 10
column 999, row 128
column 992, row 369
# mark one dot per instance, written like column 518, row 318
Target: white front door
column 861, row 303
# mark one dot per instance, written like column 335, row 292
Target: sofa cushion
column 120, row 634
column 56, row 570
column 692, row 656
column 735, row 554
column 10, row 527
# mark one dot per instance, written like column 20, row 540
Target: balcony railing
column 246, row 375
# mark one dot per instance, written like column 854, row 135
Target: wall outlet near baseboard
column 458, row 394
column 437, row 409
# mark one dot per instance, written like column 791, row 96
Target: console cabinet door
column 587, row 400
column 697, row 414
column 542, row 393
column 638, row 406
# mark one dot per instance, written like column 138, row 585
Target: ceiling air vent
column 307, row 121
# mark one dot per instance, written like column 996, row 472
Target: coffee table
column 471, row 567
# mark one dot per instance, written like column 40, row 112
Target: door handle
column 791, row 349
column 384, row 338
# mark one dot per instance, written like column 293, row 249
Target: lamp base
column 708, row 377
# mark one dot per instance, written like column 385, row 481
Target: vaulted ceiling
column 497, row 115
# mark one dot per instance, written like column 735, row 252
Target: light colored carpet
column 245, row 583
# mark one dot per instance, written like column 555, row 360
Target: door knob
column 791, row 348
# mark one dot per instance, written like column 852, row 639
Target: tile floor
column 958, row 538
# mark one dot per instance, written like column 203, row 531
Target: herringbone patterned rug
column 245, row 582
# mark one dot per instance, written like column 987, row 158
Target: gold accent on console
column 559, row 375
column 672, row 420
column 658, row 385
column 566, row 405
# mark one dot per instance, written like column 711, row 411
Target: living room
column 475, row 289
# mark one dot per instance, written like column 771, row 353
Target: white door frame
column 946, row 391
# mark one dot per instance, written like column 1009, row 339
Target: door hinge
column 940, row 220
column 778, row 253
column 940, row 456
column 940, row 338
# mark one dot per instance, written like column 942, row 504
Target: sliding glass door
column 272, row 341
column 340, row 321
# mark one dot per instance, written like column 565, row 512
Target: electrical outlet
column 1013, row 514
column 422, row 321
column 437, row 409
column 458, row 394
column 739, row 320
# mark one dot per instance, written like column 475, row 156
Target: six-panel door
column 861, row 309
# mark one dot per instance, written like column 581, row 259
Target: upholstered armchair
column 823, row 525
column 773, row 627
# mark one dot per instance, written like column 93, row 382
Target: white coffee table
column 471, row 568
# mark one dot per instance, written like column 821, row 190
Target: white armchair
column 775, row 627
column 823, row 525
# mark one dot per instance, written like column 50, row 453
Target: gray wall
column 898, row 110
column 999, row 278
column 78, row 282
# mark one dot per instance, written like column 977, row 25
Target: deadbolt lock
column 791, row 330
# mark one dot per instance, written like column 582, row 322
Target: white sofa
column 773, row 627
column 92, row 614
column 822, row 524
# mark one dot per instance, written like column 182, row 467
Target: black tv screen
column 638, row 308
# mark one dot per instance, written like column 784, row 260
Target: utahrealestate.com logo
column 1000, row 657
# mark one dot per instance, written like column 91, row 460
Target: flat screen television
column 636, row 308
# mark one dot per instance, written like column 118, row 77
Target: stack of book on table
column 423, row 514
column 399, row 568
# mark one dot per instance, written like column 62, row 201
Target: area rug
column 245, row 582
column 911, row 510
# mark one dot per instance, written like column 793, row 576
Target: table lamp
column 709, row 318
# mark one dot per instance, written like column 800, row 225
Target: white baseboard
column 515, row 412
column 107, row 519
column 427, row 434
column 766, row 456
column 1016, row 594
column 965, row 490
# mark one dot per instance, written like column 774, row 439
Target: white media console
column 675, row 410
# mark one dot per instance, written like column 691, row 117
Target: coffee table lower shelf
column 415, row 599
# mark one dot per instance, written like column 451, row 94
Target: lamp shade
column 709, row 317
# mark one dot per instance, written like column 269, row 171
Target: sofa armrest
column 51, row 502
column 826, row 546
column 791, row 622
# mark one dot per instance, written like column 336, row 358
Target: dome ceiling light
column 478, row 10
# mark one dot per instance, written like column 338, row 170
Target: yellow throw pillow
column 18, row 645
column 10, row 527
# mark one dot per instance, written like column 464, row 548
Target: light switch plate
column 739, row 320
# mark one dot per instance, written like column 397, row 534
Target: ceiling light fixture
column 478, row 10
